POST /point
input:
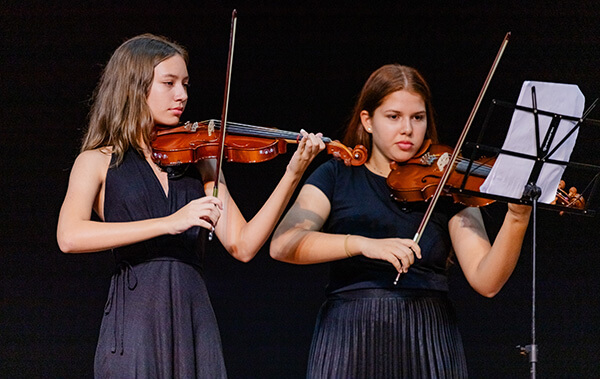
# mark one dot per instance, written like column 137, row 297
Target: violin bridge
column 443, row 161
column 211, row 127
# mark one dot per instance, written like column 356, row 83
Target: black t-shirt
column 361, row 205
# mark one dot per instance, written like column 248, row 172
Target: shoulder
column 99, row 154
column 92, row 162
column 327, row 170
column 331, row 175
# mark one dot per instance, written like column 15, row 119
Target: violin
column 192, row 142
column 417, row 179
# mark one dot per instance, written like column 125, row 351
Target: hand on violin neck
column 309, row 146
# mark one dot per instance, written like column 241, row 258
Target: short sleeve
column 324, row 178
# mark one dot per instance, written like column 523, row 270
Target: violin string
column 236, row 127
column 260, row 131
column 478, row 168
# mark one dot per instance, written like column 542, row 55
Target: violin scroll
column 354, row 157
column 570, row 199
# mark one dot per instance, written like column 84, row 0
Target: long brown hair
column 120, row 116
column 384, row 81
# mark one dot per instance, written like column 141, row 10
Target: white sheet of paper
column 509, row 174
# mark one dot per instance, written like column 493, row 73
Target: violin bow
column 458, row 147
column 225, row 109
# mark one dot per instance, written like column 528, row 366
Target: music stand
column 531, row 191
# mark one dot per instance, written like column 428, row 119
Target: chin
column 167, row 122
column 401, row 158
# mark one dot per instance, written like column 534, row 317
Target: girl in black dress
column 370, row 327
column 158, row 320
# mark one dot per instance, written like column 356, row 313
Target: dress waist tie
column 123, row 277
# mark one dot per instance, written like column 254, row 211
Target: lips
column 404, row 145
column 176, row 111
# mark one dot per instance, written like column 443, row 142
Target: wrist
column 346, row 249
column 291, row 176
column 163, row 226
column 350, row 245
column 293, row 172
column 519, row 213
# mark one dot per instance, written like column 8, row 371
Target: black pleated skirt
column 379, row 333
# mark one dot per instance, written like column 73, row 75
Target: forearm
column 497, row 266
column 244, row 239
column 301, row 246
column 91, row 236
column 298, row 238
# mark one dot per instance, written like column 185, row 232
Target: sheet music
column 509, row 174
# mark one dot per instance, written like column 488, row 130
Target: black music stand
column 532, row 192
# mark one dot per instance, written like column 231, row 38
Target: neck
column 146, row 149
column 379, row 165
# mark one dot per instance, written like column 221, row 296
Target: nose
column 181, row 94
column 406, row 126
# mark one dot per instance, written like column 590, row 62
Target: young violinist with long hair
column 158, row 320
column 370, row 327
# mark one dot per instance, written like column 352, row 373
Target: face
column 398, row 127
column 168, row 93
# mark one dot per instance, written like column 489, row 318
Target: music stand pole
column 533, row 192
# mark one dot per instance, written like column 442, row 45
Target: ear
column 365, row 119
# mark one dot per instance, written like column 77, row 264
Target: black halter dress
column 158, row 320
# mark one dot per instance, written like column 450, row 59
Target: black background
column 295, row 66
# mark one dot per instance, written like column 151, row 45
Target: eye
column 169, row 83
column 393, row 117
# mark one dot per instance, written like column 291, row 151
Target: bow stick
column 455, row 153
column 225, row 109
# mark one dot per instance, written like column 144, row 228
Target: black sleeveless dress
column 158, row 320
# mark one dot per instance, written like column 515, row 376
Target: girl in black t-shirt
column 369, row 327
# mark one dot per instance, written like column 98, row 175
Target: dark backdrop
column 295, row 66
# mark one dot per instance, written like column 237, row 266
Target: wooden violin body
column 417, row 179
column 192, row 142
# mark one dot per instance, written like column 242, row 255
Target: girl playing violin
column 158, row 320
column 370, row 327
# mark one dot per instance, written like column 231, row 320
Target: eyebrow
column 397, row 111
column 167, row 76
